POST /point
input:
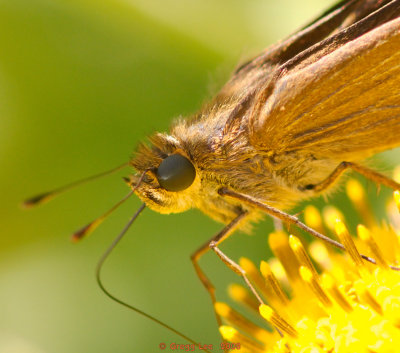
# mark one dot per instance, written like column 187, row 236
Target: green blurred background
column 81, row 82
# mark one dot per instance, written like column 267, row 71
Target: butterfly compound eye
column 175, row 173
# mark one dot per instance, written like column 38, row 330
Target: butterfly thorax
column 216, row 142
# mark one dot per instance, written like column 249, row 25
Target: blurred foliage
column 81, row 82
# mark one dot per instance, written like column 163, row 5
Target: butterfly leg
column 368, row 173
column 212, row 244
column 288, row 219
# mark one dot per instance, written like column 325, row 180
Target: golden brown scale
column 287, row 119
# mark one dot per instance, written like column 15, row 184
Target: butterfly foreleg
column 213, row 244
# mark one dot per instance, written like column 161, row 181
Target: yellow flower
column 319, row 299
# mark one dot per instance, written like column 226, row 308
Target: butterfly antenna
column 47, row 196
column 90, row 227
column 79, row 234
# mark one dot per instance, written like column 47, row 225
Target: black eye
column 175, row 173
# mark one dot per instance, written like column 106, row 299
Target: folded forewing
column 347, row 103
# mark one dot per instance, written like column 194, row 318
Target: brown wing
column 260, row 69
column 339, row 97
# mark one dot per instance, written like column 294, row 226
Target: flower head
column 321, row 300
